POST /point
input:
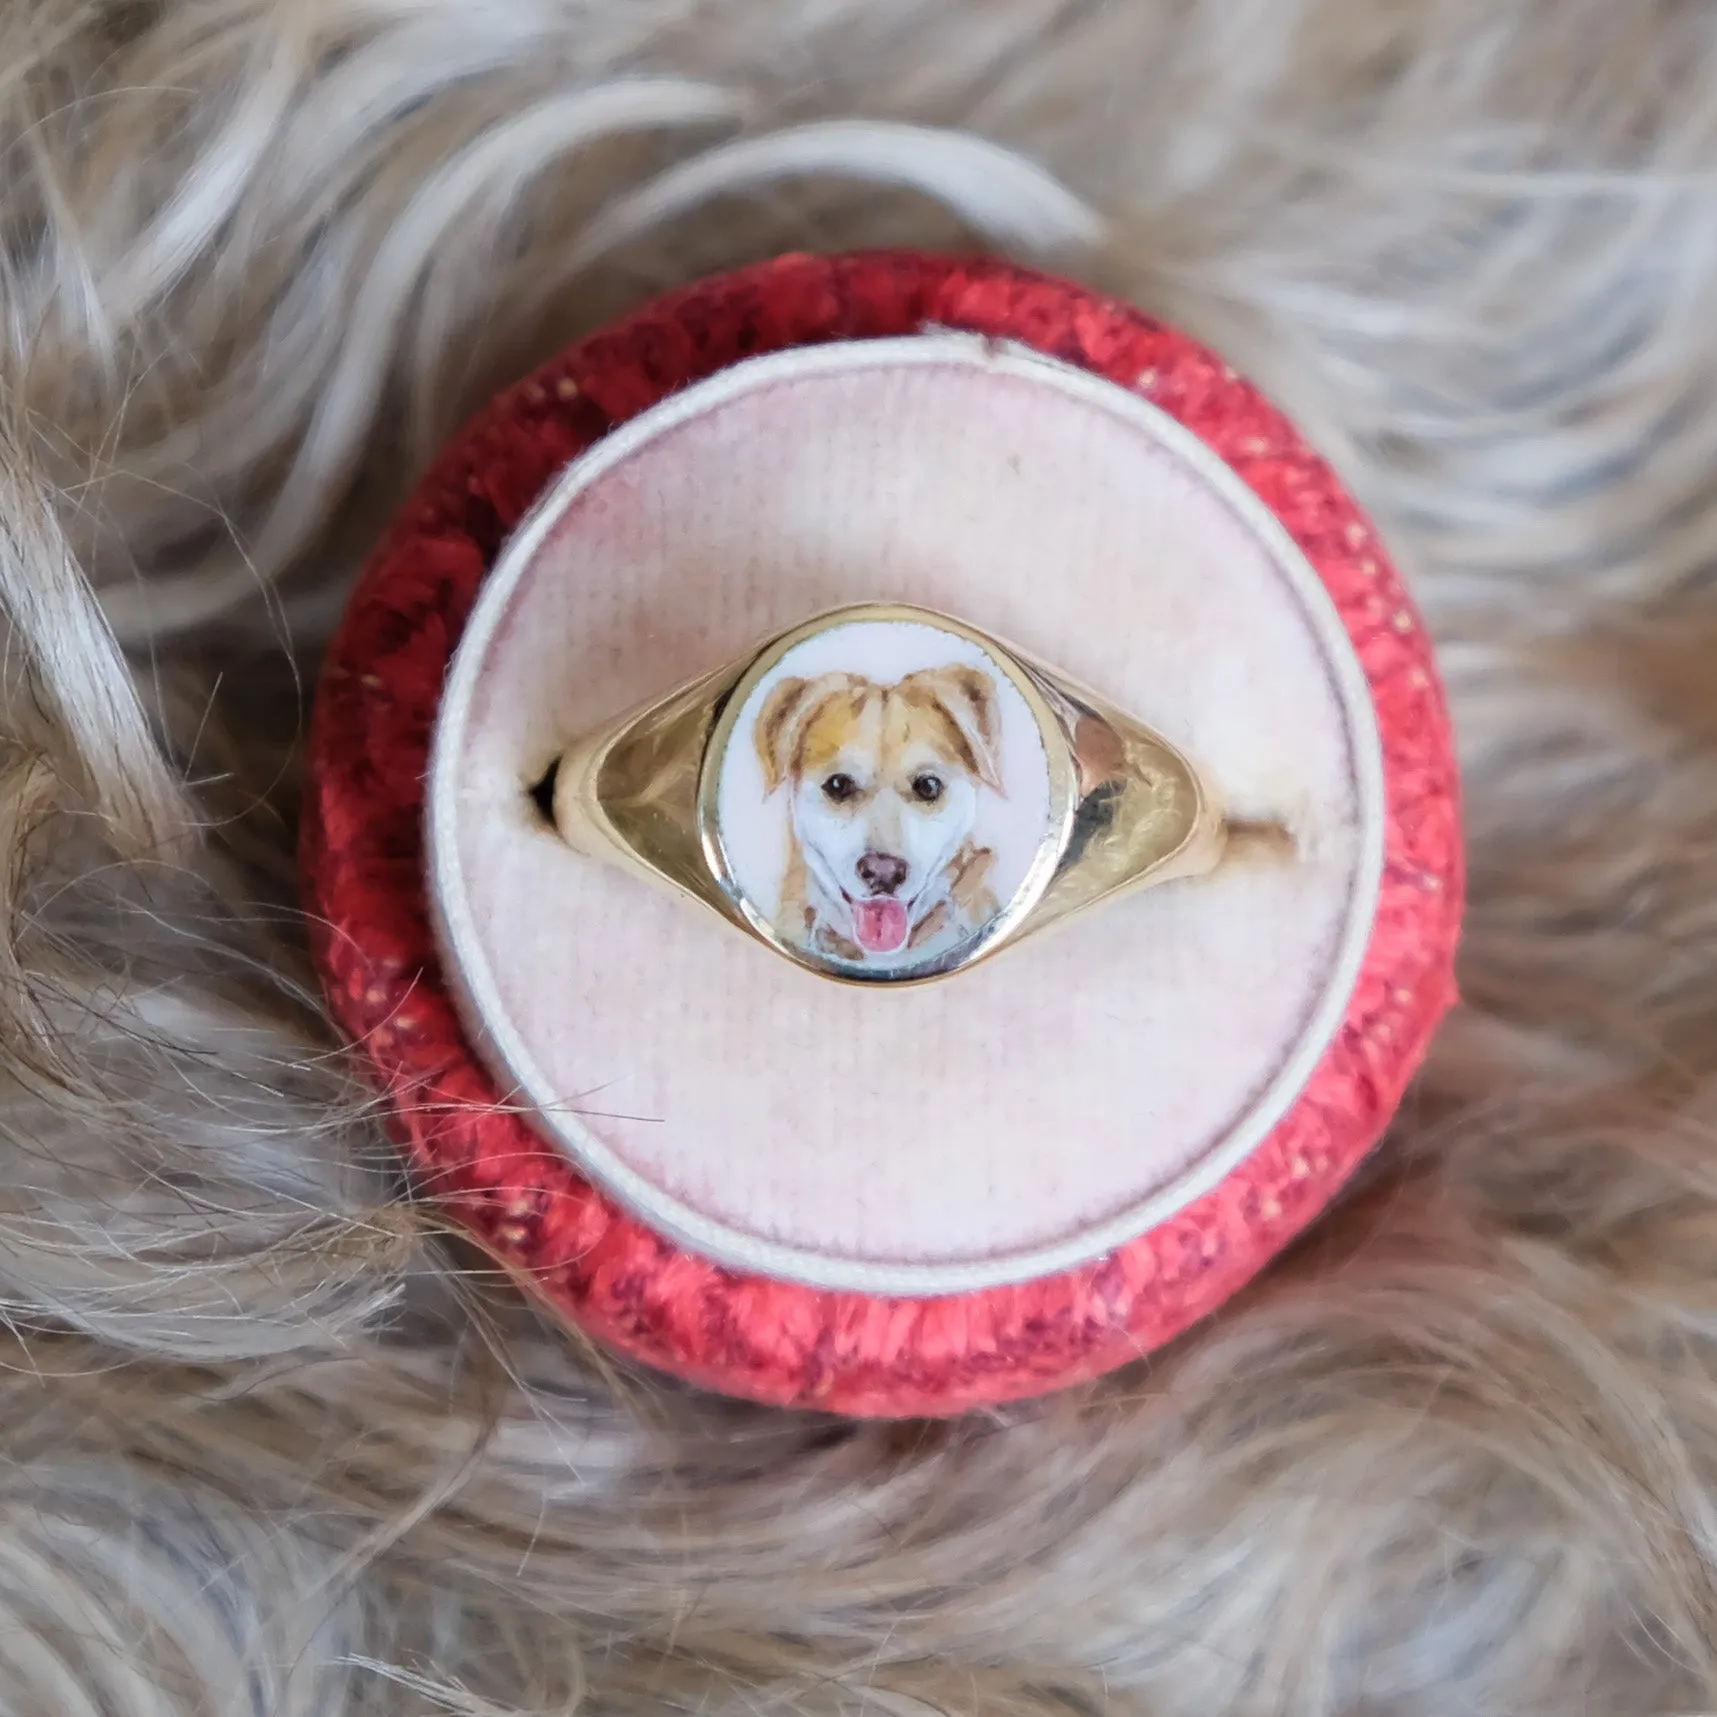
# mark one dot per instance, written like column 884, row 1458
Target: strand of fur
column 268, row 1448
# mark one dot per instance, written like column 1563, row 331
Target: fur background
column 266, row 1448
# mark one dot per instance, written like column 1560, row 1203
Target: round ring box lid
column 808, row 1192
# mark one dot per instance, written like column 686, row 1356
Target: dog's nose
column 881, row 873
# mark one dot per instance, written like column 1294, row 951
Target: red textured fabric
column 525, row 1202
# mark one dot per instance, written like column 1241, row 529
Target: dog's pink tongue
column 881, row 925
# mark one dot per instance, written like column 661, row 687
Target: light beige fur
column 271, row 1446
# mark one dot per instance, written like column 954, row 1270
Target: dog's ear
column 776, row 730
column 782, row 720
column 968, row 695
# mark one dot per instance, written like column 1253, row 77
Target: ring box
column 814, row 1193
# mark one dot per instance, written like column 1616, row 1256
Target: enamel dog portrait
column 883, row 796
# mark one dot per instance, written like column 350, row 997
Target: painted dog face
column 884, row 782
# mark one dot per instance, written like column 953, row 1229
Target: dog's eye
column 927, row 789
column 840, row 788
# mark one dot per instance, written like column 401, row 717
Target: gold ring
column 885, row 795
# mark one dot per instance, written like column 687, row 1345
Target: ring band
column 885, row 795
